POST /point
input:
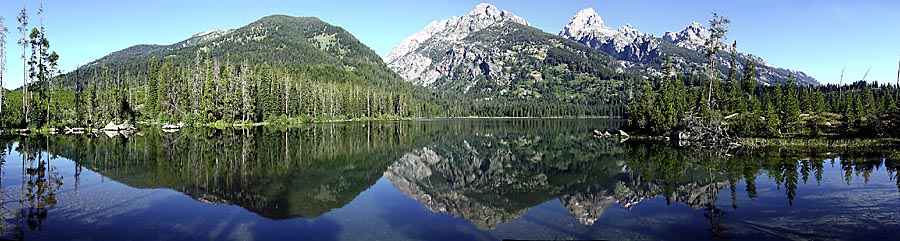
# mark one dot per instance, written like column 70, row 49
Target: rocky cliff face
column 494, row 54
column 693, row 37
column 203, row 37
column 411, row 58
column 626, row 43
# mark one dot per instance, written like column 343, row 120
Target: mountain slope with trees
column 279, row 68
column 496, row 58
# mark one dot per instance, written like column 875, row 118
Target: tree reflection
column 279, row 173
column 487, row 174
column 40, row 183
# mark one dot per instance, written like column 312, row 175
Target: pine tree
column 818, row 104
column 163, row 79
column 772, row 120
column 640, row 111
column 748, row 82
column 736, row 99
column 791, row 105
column 871, row 109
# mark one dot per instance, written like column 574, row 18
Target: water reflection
column 494, row 176
column 37, row 192
column 501, row 177
column 276, row 173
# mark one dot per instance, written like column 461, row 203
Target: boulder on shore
column 110, row 127
column 126, row 126
column 610, row 132
column 76, row 130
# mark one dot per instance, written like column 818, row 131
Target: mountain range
column 633, row 47
column 488, row 56
column 494, row 54
column 501, row 48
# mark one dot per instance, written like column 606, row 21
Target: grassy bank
column 820, row 142
column 793, row 142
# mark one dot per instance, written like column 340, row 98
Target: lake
column 436, row 180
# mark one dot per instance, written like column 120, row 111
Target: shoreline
column 299, row 121
column 792, row 142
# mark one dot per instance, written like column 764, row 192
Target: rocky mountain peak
column 485, row 9
column 209, row 32
column 202, row 37
column 628, row 30
column 693, row 37
column 485, row 15
column 585, row 23
column 626, row 43
column 447, row 32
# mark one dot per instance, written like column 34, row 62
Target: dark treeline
column 724, row 104
column 748, row 109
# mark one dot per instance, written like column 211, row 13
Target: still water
column 436, row 180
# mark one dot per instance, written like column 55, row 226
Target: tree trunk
column 24, row 87
column 286, row 98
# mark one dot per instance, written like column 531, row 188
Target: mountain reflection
column 492, row 177
column 276, row 173
column 487, row 172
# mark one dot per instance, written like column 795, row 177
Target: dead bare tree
column 867, row 74
column 23, row 31
column 3, row 32
column 718, row 27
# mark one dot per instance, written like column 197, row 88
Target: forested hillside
column 277, row 68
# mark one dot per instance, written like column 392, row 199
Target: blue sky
column 818, row 37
